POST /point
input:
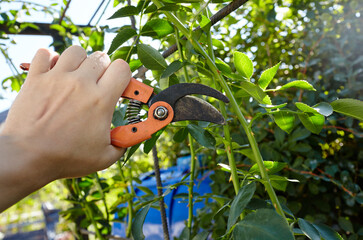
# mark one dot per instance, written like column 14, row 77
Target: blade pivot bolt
column 161, row 113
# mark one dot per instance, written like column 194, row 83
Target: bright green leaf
column 267, row 76
column 202, row 136
column 302, row 84
column 308, row 229
column 285, row 120
column 137, row 224
column 122, row 36
column 305, row 108
column 205, row 23
column 125, row 12
column 271, row 167
column 243, row 64
column 150, row 57
column 273, row 106
column 312, row 122
column 157, row 28
column 349, row 107
column 223, row 67
column 172, row 68
column 240, row 202
column 256, row 92
column 264, row 224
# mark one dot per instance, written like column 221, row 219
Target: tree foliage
column 292, row 68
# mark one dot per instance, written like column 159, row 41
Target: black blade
column 173, row 93
column 193, row 108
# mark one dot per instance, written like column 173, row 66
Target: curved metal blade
column 173, row 93
column 193, row 108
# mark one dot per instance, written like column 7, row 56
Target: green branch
column 235, row 106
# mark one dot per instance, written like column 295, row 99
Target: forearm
column 19, row 173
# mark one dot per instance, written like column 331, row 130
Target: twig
column 64, row 12
column 94, row 14
column 214, row 19
column 160, row 194
column 344, row 129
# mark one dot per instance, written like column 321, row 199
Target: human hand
column 63, row 113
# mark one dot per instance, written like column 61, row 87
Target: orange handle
column 138, row 91
column 130, row 135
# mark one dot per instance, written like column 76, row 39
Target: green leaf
column 240, row 202
column 122, row 36
column 324, row 109
column 205, row 23
column 302, row 84
column 327, row 233
column 279, row 182
column 312, row 122
column 267, row 76
column 299, row 134
column 202, row 136
column 305, row 108
column 285, row 120
column 264, row 224
column 135, row 64
column 223, row 67
column 150, row 143
column 256, row 92
column 180, row 135
column 243, row 64
column 118, row 118
column 137, row 224
column 145, row 190
column 247, row 152
column 157, row 28
column 125, row 12
column 131, row 151
column 271, row 167
column 349, row 107
column 273, row 106
column 150, row 57
column 172, row 68
column 201, row 236
column 308, row 229
column 345, row 224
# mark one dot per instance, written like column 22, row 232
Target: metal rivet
column 161, row 113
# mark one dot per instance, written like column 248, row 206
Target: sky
column 26, row 46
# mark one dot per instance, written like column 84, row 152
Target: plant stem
column 191, row 183
column 227, row 134
column 88, row 210
column 177, row 39
column 129, row 202
column 235, row 106
column 99, row 186
column 159, row 186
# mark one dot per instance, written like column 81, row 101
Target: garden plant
column 287, row 163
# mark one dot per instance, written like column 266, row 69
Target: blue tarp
column 177, row 208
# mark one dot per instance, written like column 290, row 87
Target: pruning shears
column 170, row 105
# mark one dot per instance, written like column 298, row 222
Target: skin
column 59, row 124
